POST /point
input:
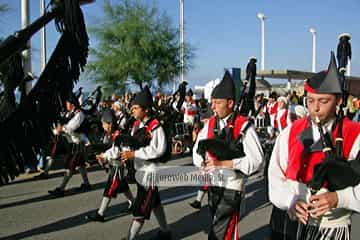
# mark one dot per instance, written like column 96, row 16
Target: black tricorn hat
column 108, row 116
column 189, row 93
column 143, row 98
column 225, row 89
column 325, row 81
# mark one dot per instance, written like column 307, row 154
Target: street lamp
column 25, row 19
column 313, row 32
column 181, row 40
column 261, row 16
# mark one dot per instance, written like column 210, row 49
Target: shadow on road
column 66, row 223
column 262, row 233
column 68, row 192
column 193, row 223
column 257, row 197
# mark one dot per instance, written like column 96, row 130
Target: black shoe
column 84, row 187
column 196, row 204
column 57, row 192
column 163, row 235
column 96, row 218
column 42, row 175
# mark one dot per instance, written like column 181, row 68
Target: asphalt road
column 28, row 212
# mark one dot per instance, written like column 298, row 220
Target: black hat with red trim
column 327, row 81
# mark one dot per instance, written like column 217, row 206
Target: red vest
column 239, row 121
column 150, row 126
column 301, row 165
column 272, row 109
column 283, row 120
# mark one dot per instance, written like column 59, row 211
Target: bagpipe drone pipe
column 26, row 128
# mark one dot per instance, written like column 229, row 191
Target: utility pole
column 43, row 37
column 25, row 19
column 313, row 32
column 261, row 16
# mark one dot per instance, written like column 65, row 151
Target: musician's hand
column 59, row 128
column 212, row 162
column 300, row 211
column 100, row 159
column 322, row 203
column 127, row 155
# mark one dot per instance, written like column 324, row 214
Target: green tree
column 136, row 44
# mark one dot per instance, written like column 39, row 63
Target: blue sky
column 226, row 33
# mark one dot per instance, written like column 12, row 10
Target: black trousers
column 146, row 200
column 225, row 212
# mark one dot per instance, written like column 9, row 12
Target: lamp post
column 43, row 37
column 313, row 32
column 261, row 16
column 25, row 19
column 181, row 41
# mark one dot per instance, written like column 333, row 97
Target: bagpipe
column 223, row 146
column 335, row 170
column 338, row 172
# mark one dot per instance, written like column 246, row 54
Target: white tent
column 208, row 88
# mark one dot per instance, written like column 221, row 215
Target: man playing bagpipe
column 317, row 188
column 75, row 133
column 116, row 181
column 151, row 149
column 224, row 201
column 57, row 146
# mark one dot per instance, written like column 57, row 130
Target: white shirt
column 155, row 149
column 73, row 124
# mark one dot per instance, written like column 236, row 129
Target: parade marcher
column 271, row 108
column 116, row 181
column 189, row 108
column 298, row 150
column 224, row 201
column 58, row 146
column 180, row 92
column 120, row 114
column 74, row 130
column 145, row 160
column 282, row 116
